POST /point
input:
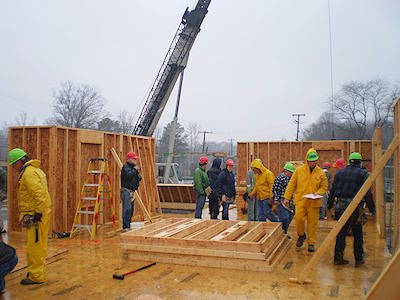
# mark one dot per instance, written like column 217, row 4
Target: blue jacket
column 226, row 183
column 213, row 177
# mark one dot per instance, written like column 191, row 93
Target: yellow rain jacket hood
column 33, row 194
column 264, row 181
column 304, row 182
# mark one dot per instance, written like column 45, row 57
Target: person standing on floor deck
column 307, row 179
column 201, row 186
column 263, row 191
column 322, row 211
column 346, row 184
column 226, row 183
column 130, row 179
column 285, row 209
column 34, row 205
column 251, row 202
column 214, row 199
column 8, row 261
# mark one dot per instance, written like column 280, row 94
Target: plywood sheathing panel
column 275, row 154
column 64, row 154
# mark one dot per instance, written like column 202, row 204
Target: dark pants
column 5, row 269
column 225, row 211
column 285, row 217
column 200, row 201
column 356, row 227
column 128, row 207
column 265, row 211
column 213, row 205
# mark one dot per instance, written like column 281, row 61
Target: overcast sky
column 252, row 66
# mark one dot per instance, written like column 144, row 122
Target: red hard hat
column 203, row 160
column 340, row 163
column 131, row 155
column 230, row 162
column 326, row 164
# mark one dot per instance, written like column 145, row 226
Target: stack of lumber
column 255, row 246
column 64, row 154
column 177, row 196
column 275, row 154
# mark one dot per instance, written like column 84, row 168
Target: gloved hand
column 37, row 217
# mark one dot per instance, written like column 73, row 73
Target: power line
column 298, row 123
column 331, row 58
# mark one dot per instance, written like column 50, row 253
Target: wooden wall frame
column 64, row 154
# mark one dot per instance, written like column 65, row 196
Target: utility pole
column 298, row 123
column 231, row 140
column 204, row 138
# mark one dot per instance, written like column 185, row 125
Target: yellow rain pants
column 311, row 214
column 36, row 251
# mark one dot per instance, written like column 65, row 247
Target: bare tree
column 22, row 119
column 78, row 106
column 193, row 134
column 360, row 105
column 126, row 122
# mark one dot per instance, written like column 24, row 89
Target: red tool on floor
column 122, row 276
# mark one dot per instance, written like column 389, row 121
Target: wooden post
column 396, row 200
column 326, row 244
column 379, row 187
column 137, row 197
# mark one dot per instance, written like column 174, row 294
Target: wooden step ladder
column 90, row 206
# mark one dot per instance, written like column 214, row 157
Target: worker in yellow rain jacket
column 307, row 179
column 263, row 190
column 34, row 206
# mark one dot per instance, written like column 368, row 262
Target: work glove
column 37, row 217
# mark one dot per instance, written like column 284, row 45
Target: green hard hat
column 355, row 155
column 289, row 167
column 312, row 156
column 15, row 154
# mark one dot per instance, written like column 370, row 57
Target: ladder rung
column 91, row 184
column 83, row 226
column 89, row 198
column 85, row 212
column 95, row 172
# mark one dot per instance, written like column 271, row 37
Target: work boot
column 340, row 261
column 301, row 240
column 359, row 262
column 311, row 248
column 27, row 281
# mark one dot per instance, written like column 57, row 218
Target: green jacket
column 200, row 180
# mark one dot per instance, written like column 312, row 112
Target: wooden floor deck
column 255, row 246
column 85, row 272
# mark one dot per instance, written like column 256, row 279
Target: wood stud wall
column 275, row 154
column 64, row 154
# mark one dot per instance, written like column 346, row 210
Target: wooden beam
column 211, row 231
column 232, row 232
column 396, row 198
column 326, row 244
column 183, row 206
column 379, row 184
column 253, row 234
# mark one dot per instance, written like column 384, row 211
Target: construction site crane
column 174, row 63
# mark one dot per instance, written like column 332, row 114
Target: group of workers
column 216, row 184
column 303, row 193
